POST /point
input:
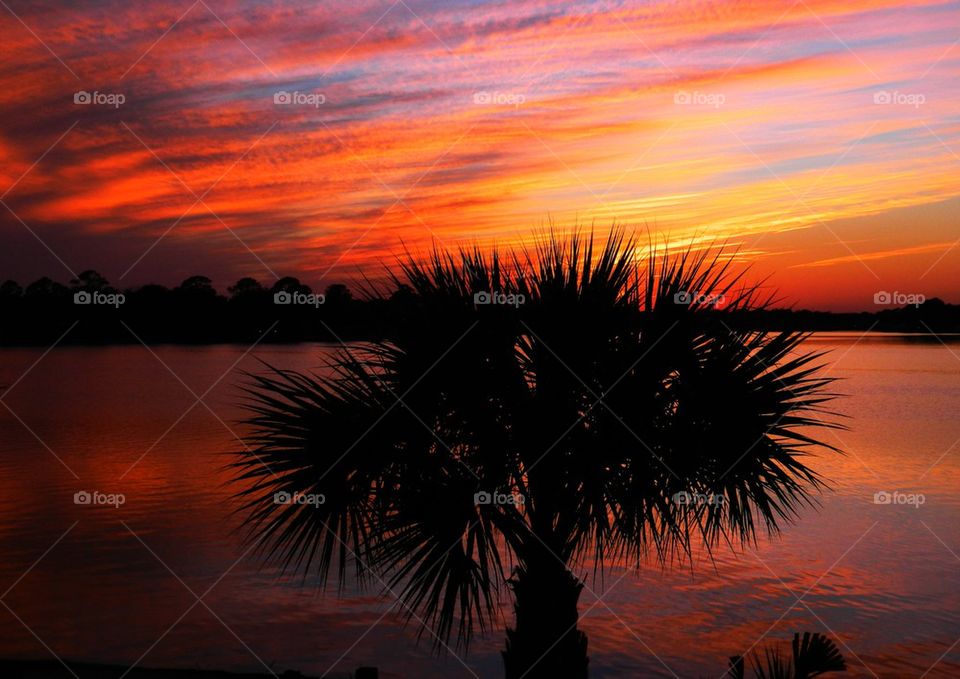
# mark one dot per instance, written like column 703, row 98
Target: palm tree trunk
column 545, row 643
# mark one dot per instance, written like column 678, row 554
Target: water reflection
column 882, row 578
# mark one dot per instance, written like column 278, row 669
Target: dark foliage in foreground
column 812, row 656
column 487, row 449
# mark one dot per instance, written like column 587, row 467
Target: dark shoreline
column 53, row 669
column 217, row 320
column 92, row 312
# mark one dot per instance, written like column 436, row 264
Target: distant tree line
column 931, row 316
column 96, row 312
column 192, row 312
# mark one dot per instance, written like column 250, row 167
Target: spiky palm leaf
column 816, row 654
column 775, row 666
column 813, row 655
column 598, row 400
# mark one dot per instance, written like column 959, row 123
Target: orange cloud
column 718, row 120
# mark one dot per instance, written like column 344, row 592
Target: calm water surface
column 120, row 585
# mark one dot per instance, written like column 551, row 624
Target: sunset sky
column 820, row 137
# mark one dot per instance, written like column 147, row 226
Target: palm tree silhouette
column 813, row 655
column 534, row 413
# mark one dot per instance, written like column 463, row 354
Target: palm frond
column 816, row 654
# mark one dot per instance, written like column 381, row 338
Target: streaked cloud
column 453, row 122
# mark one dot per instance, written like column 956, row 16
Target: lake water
column 882, row 578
